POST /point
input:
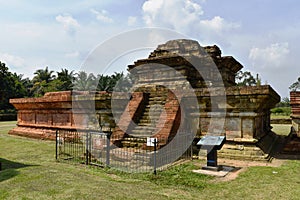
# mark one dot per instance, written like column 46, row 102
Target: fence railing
column 126, row 154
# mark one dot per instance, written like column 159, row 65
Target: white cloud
column 12, row 60
column 218, row 24
column 69, row 23
column 102, row 16
column 184, row 16
column 131, row 20
column 74, row 54
column 274, row 55
column 172, row 13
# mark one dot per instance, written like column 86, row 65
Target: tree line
column 13, row 85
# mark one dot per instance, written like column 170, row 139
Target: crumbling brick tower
column 246, row 110
column 160, row 103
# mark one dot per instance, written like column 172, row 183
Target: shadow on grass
column 9, row 169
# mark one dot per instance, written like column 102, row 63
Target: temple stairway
column 146, row 125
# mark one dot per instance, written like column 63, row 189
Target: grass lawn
column 31, row 172
column 281, row 129
column 273, row 116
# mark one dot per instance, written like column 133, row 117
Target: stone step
column 241, row 147
column 243, row 157
column 154, row 107
column 147, row 122
column 241, row 152
column 134, row 142
column 153, row 111
column 140, row 135
column 135, row 139
column 131, row 144
column 160, row 101
column 148, row 119
column 142, row 132
column 158, row 94
column 145, row 127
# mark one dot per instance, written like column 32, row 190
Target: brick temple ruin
column 156, row 110
column 292, row 144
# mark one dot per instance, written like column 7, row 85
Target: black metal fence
column 130, row 154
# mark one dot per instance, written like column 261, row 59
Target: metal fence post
column 87, row 149
column 154, row 163
column 108, row 136
column 56, row 144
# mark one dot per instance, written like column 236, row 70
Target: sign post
column 212, row 143
column 152, row 142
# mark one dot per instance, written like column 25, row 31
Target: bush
column 281, row 111
column 8, row 117
column 8, row 111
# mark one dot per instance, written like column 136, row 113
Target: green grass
column 273, row 116
column 31, row 172
column 281, row 129
column 286, row 111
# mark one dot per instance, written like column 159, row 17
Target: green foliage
column 245, row 78
column 115, row 82
column 277, row 110
column 66, row 79
column 13, row 85
column 285, row 102
column 283, row 108
column 43, row 75
column 85, row 82
column 42, row 82
column 285, row 111
column 295, row 86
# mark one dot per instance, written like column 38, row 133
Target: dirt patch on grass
column 240, row 166
column 242, row 163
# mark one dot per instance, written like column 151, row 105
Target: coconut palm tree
column 103, row 83
column 43, row 75
column 85, row 82
column 66, row 78
column 41, row 81
column 115, row 82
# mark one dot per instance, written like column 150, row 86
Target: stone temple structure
column 295, row 104
column 292, row 145
column 169, row 79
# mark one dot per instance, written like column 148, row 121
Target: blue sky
column 262, row 34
